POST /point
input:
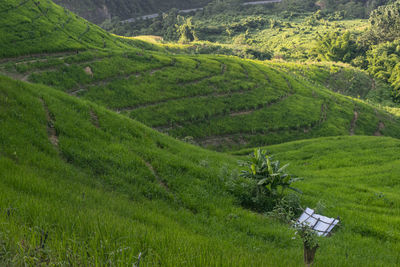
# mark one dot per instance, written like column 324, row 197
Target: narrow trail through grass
column 51, row 130
column 35, row 57
column 159, row 179
column 381, row 127
column 94, row 118
column 354, row 122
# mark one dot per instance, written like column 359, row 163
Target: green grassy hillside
column 103, row 188
column 344, row 79
column 31, row 27
column 81, row 185
column 222, row 102
column 218, row 101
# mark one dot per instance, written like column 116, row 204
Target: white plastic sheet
column 320, row 224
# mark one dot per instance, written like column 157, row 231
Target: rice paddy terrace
column 221, row 102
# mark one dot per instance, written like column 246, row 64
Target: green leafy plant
column 262, row 184
column 286, row 209
column 310, row 242
column 308, row 235
column 271, row 178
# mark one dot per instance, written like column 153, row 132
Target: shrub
column 262, row 184
column 310, row 242
column 286, row 209
column 308, row 235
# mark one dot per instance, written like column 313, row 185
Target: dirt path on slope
column 380, row 128
column 324, row 113
column 246, row 72
column 36, row 57
column 353, row 123
column 224, row 67
column 94, row 118
column 155, row 174
column 51, row 130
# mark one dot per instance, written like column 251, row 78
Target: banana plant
column 269, row 175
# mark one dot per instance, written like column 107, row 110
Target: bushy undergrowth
column 287, row 209
column 262, row 184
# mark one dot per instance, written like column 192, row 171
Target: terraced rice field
column 220, row 102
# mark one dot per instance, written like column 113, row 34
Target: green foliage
column 350, row 9
column 297, row 5
column 185, row 30
column 308, row 236
column 383, row 63
column 263, row 183
column 286, row 209
column 337, row 46
column 269, row 175
column 395, row 81
column 385, row 22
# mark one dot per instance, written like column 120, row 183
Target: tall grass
column 94, row 201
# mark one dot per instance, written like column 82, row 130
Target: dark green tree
column 385, row 23
column 384, row 63
column 185, row 30
column 336, row 46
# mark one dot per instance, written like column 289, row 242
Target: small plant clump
column 286, row 209
column 310, row 242
column 263, row 183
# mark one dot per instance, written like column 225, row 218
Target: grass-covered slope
column 80, row 185
column 222, row 102
column 344, row 79
column 31, row 27
column 83, row 186
column 356, row 178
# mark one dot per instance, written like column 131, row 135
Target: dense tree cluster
column 384, row 63
column 385, row 23
column 336, row 46
column 378, row 50
column 351, row 9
